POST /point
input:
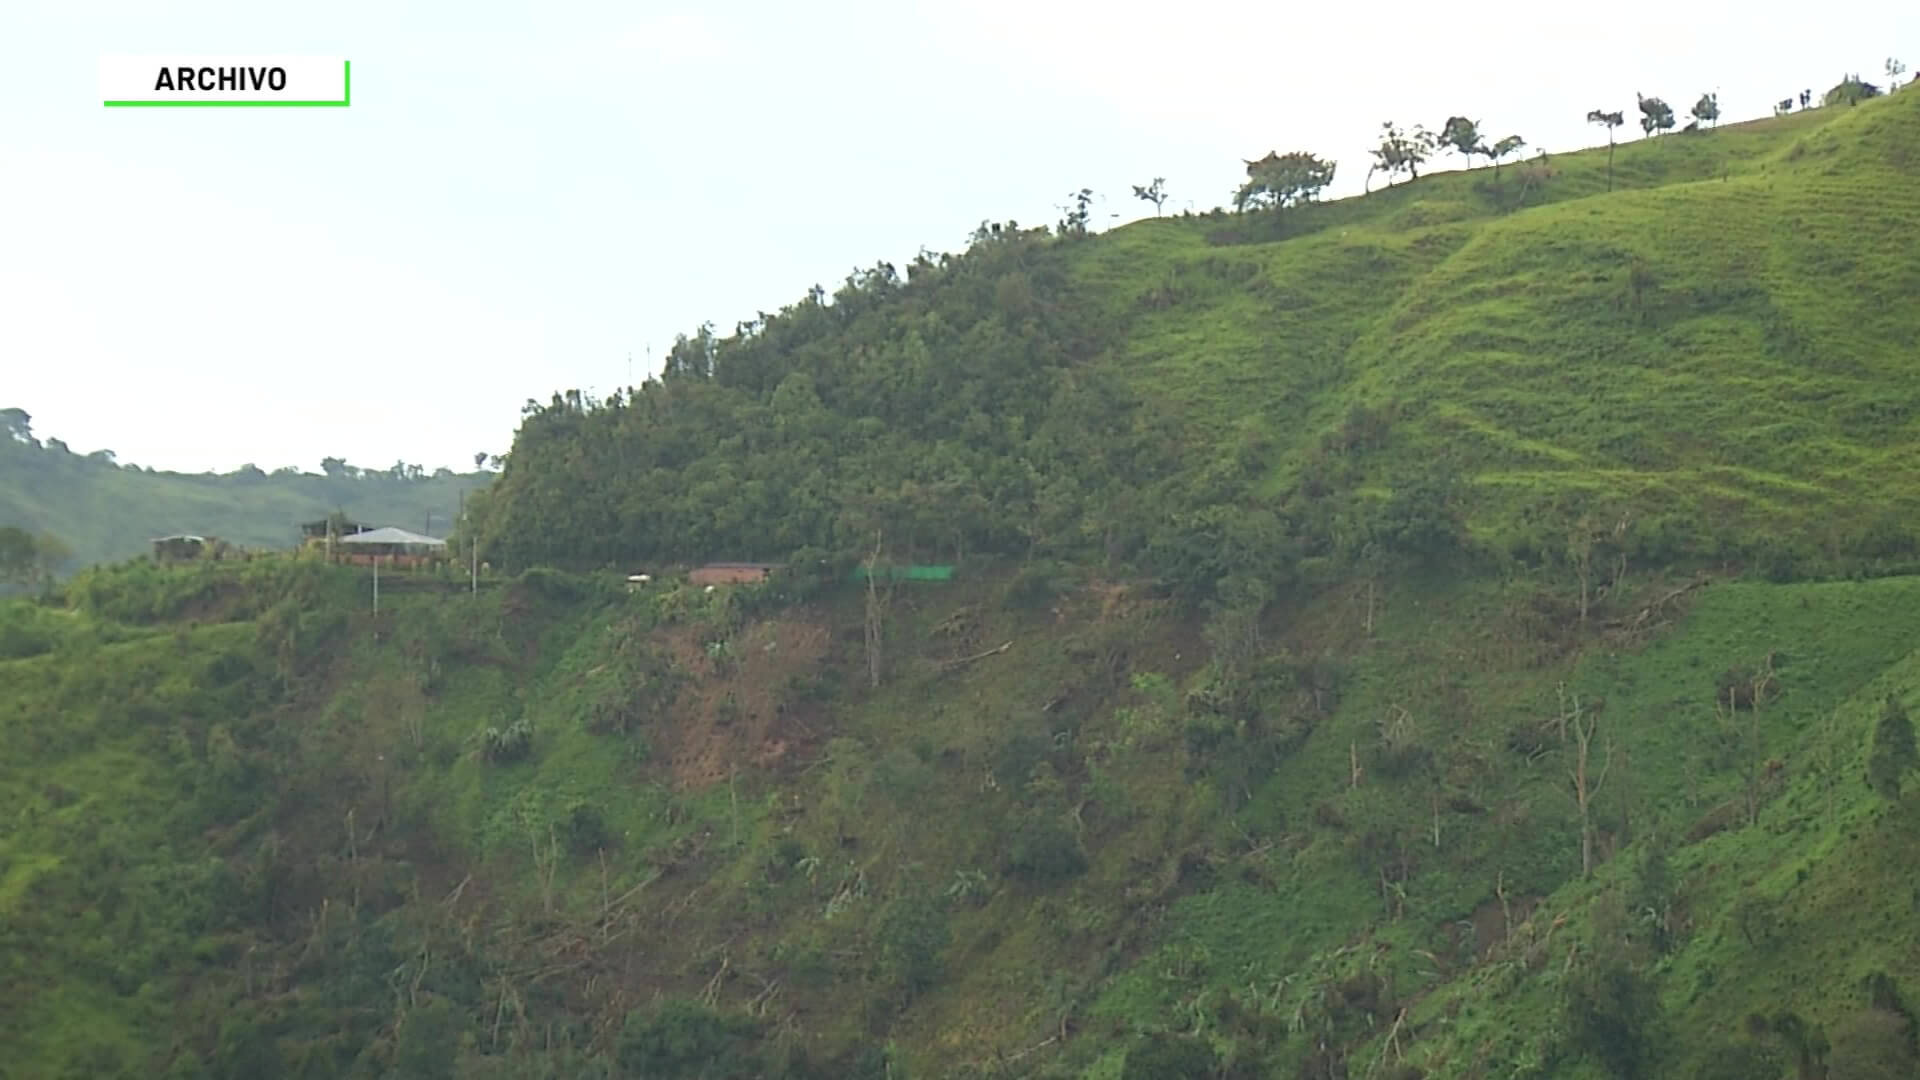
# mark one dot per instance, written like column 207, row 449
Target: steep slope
column 1300, row 707
column 1718, row 345
column 1733, row 343
column 574, row 823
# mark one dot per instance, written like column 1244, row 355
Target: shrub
column 1166, row 1056
column 686, row 1039
column 1612, row 1013
column 23, row 632
column 585, row 830
column 1045, row 851
column 508, row 745
column 913, row 933
column 1034, row 587
column 1873, row 1044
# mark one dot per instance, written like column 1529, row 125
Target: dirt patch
column 215, row 602
column 1492, row 922
column 737, row 710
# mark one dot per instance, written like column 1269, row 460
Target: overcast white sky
column 522, row 194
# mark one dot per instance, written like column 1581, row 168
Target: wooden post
column 873, row 613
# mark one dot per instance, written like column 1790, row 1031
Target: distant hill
column 105, row 511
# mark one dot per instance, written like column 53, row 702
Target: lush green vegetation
column 1466, row 631
column 100, row 510
column 1715, row 351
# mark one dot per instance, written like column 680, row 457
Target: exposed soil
column 738, row 711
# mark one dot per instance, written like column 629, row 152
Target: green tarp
column 906, row 573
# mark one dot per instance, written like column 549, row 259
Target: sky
column 524, row 195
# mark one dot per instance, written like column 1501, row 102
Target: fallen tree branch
column 1651, row 609
column 950, row 665
column 1004, row 1059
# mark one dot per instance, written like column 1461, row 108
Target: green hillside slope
column 1736, row 339
column 1719, row 345
column 1442, row 634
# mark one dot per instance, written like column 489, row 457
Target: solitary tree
column 1851, row 90
column 1282, row 180
column 26, row 559
column 1746, row 738
column 1504, row 148
column 1609, row 120
column 17, row 425
column 1895, row 69
column 1584, row 783
column 1655, row 115
column 17, row 552
column 1155, row 193
column 1402, row 151
column 1462, row 136
column 1707, row 109
column 1892, row 752
column 1078, row 211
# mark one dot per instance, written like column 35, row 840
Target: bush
column 506, row 746
column 1738, row 1061
column 1612, row 1014
column 1873, row 1044
column 686, row 1039
column 23, row 632
column 555, row 586
column 585, row 830
column 1034, row 587
column 1886, row 537
column 1166, row 1056
column 1045, row 851
column 913, row 933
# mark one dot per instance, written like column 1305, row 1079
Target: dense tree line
column 949, row 411
column 959, row 410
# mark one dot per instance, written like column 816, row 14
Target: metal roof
column 392, row 535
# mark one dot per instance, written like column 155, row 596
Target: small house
column 183, row 546
column 732, row 573
column 315, row 534
column 317, row 530
column 390, row 547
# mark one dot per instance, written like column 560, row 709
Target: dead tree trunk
column 1586, row 784
column 1582, row 552
column 1756, row 743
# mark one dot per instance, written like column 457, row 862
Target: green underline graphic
column 346, row 99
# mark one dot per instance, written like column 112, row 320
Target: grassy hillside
column 553, row 822
column 103, row 511
column 1726, row 334
column 1715, row 349
column 1303, row 706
